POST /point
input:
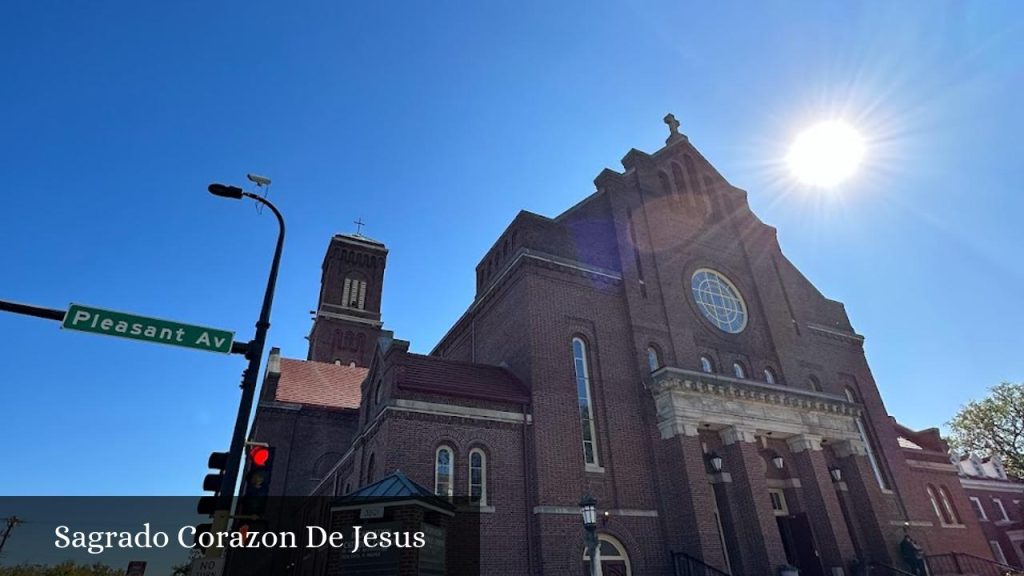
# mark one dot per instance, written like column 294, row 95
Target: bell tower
column 347, row 323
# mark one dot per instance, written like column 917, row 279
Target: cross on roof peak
column 673, row 128
column 359, row 225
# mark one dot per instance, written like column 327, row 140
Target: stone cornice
column 992, row 485
column 693, row 382
column 828, row 332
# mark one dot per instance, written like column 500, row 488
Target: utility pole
column 11, row 523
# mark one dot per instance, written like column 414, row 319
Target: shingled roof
column 393, row 487
column 464, row 379
column 320, row 384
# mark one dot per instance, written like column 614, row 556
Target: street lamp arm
column 268, row 297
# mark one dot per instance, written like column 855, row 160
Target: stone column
column 865, row 499
column 749, row 506
column 821, row 503
column 689, row 500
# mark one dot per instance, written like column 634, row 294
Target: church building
column 650, row 346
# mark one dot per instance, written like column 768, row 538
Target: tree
column 993, row 426
column 64, row 569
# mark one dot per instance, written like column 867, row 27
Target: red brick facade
column 615, row 272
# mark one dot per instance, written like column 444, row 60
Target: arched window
column 769, row 376
column 677, row 173
column 691, row 172
column 738, row 370
column 322, row 466
column 348, row 488
column 477, row 477
column 586, row 406
column 370, row 465
column 706, row 365
column 612, row 556
column 947, row 505
column 666, row 186
column 935, row 504
column 653, row 358
column 850, row 394
column 814, row 383
column 353, row 295
column 378, row 392
column 443, row 472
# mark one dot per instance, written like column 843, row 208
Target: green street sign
column 110, row 323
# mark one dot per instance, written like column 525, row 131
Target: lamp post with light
column 588, row 509
column 254, row 353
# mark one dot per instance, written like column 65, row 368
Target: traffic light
column 256, row 483
column 213, row 483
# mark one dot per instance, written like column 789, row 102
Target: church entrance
column 798, row 541
column 611, row 556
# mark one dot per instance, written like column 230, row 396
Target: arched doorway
column 612, row 558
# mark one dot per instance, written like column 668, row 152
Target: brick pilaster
column 822, row 505
column 749, row 506
column 864, row 499
column 689, row 501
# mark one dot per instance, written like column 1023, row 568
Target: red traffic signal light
column 259, row 456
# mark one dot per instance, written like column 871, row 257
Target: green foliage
column 993, row 425
column 64, row 569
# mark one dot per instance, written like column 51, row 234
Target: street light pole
column 588, row 509
column 254, row 354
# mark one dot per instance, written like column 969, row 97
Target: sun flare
column 826, row 154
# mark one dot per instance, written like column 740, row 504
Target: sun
column 826, row 154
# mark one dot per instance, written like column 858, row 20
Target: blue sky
column 435, row 123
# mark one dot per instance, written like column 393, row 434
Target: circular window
column 719, row 300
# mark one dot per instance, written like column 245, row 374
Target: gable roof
column 463, row 379
column 320, row 384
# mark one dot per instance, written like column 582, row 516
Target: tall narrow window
column 477, row 477
column 665, row 186
column 947, row 505
column 879, row 477
column 579, row 353
column 678, row 175
column 769, row 376
column 706, row 365
column 997, row 551
column 443, row 472
column 370, row 464
column 935, row 504
column 653, row 358
column 699, row 194
column 1002, row 510
column 353, row 294
column 978, row 509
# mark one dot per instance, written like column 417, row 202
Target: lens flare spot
column 826, row 154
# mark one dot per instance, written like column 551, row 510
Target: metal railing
column 685, row 565
column 879, row 569
column 963, row 563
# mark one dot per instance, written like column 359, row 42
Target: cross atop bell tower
column 347, row 322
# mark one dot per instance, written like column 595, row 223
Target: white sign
column 207, row 567
column 371, row 513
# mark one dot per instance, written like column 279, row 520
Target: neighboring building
column 996, row 499
column 651, row 346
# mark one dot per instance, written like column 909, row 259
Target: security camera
column 258, row 180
